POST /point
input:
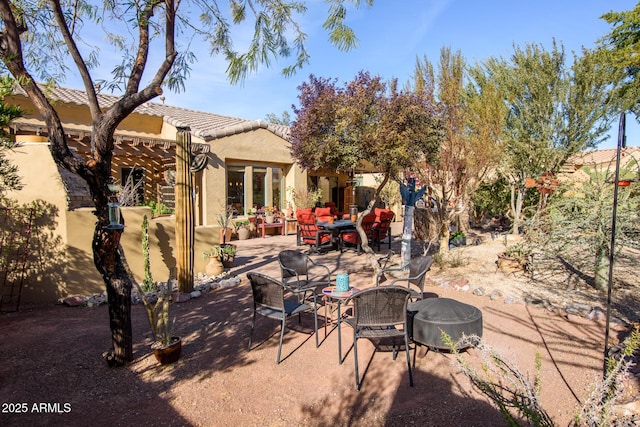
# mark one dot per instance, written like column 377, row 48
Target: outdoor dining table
column 336, row 227
column 331, row 295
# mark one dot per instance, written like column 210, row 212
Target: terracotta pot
column 168, row 354
column 225, row 235
column 214, row 268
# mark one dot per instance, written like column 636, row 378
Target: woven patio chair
column 269, row 301
column 418, row 268
column 302, row 275
column 377, row 313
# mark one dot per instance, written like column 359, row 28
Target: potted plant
column 224, row 221
column 166, row 347
column 268, row 214
column 514, row 258
column 228, row 254
column 458, row 239
column 215, row 267
column 243, row 229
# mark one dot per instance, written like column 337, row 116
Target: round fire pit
column 430, row 317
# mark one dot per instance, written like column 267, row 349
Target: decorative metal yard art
column 409, row 197
column 15, row 233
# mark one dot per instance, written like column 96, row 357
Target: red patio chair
column 310, row 234
column 324, row 214
column 382, row 228
column 352, row 237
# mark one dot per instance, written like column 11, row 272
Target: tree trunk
column 184, row 212
column 110, row 263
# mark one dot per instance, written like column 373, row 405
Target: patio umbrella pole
column 621, row 145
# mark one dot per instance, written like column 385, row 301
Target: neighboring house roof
column 207, row 126
column 601, row 157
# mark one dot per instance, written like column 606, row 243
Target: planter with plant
column 166, row 347
column 514, row 258
column 215, row 266
column 269, row 215
column 228, row 254
column 226, row 226
column 458, row 239
column 243, row 229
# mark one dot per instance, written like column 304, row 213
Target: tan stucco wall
column 259, row 147
column 79, row 117
column 40, row 177
column 61, row 258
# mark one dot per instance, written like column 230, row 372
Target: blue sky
column 392, row 34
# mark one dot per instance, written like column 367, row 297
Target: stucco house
column 604, row 161
column 242, row 163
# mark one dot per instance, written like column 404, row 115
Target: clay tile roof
column 599, row 157
column 207, row 126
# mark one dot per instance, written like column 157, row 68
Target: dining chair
column 382, row 228
column 414, row 275
column 353, row 237
column 310, row 234
column 302, row 275
column 269, row 301
column 377, row 314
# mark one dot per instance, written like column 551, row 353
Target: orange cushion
column 350, row 237
column 304, row 211
column 305, row 218
column 379, row 211
column 323, row 211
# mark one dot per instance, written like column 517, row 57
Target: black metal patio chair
column 377, row 314
column 269, row 301
column 415, row 275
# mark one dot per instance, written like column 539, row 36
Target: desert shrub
column 517, row 397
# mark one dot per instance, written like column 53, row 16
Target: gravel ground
column 52, row 367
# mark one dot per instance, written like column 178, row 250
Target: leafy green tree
column 39, row 39
column 284, row 120
column 577, row 225
column 555, row 111
column 620, row 52
column 9, row 178
column 336, row 128
column 472, row 110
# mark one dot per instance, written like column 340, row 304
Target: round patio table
column 428, row 318
column 331, row 295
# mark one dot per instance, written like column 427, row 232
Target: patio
column 52, row 355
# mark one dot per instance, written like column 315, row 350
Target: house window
column 259, row 187
column 266, row 187
column 133, row 184
column 235, row 189
column 277, row 188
